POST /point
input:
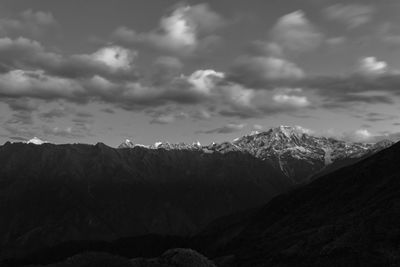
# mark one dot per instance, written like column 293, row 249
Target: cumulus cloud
column 37, row 84
column 226, row 129
column 186, row 29
column 259, row 71
column 294, row 32
column 371, row 66
column 244, row 102
column 115, row 57
column 204, row 81
column 292, row 100
column 113, row 62
column 108, row 76
column 353, row 15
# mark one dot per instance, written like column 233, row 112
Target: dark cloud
column 355, row 88
column 26, row 131
column 22, row 104
column 263, row 71
column 52, row 114
column 108, row 110
column 84, row 114
column 375, row 116
column 165, row 70
column 20, row 118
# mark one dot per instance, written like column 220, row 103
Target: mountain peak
column 36, row 141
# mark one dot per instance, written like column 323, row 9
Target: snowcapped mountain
column 292, row 150
column 36, row 141
column 300, row 155
column 129, row 144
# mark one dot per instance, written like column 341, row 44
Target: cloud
column 294, row 32
column 371, row 66
column 166, row 68
column 375, row 116
column 304, row 130
column 108, row 110
column 291, row 100
column 52, row 114
column 168, row 118
column 261, row 71
column 353, row 15
column 341, row 92
column 392, row 39
column 245, row 103
column 115, row 57
column 28, row 23
column 182, row 32
column 360, row 135
column 22, row 104
column 201, row 115
column 203, row 81
column 109, row 76
column 38, row 17
column 20, row 118
column 113, row 62
column 257, row 127
column 262, row 47
column 66, row 132
column 20, row 131
column 37, row 84
column 335, row 41
column 226, row 129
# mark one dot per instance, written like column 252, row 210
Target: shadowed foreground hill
column 55, row 193
column 347, row 218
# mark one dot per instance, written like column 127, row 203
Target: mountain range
column 291, row 150
column 349, row 217
column 55, row 193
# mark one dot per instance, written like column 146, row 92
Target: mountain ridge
column 349, row 217
column 293, row 150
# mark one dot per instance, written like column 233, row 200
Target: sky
column 185, row 71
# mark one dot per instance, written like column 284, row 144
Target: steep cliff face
column 52, row 193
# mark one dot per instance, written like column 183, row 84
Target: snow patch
column 36, row 141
